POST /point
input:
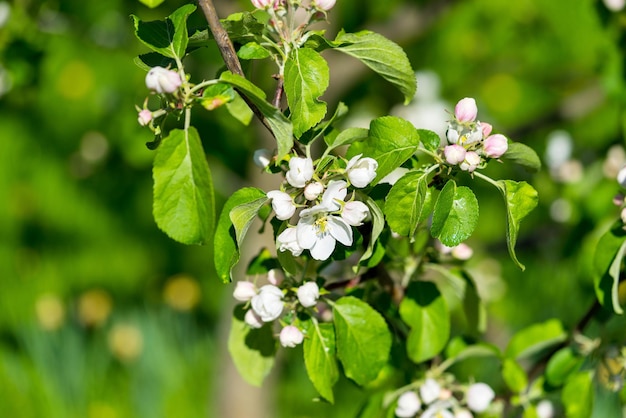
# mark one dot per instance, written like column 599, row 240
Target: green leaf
column 252, row 350
column 217, row 95
column 562, row 365
column 151, row 3
column 473, row 307
column 242, row 216
column 167, row 37
column 520, row 198
column 240, row 110
column 378, row 224
column 281, row 126
column 252, row 51
column 381, row 55
column 523, row 155
column 391, row 142
column 535, row 338
column 458, row 350
column 577, row 395
column 346, row 137
column 430, row 139
column 426, row 312
column 607, row 262
column 363, row 339
column 455, row 215
column 320, row 359
column 153, row 59
column 306, row 79
column 225, row 243
column 408, row 203
column 183, row 189
column 514, row 376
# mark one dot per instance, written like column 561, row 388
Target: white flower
column 495, row 145
column 408, row 405
column 621, row 177
column 163, row 80
column 466, row 110
column 439, row 409
column 252, row 319
column 463, row 413
column 471, row 162
column 545, row 409
column 288, row 240
column 290, row 336
column 429, row 391
column 144, row 117
column 455, row 154
column 361, row 171
column 335, row 193
column 320, row 233
column 268, row 303
column 244, row 291
column 475, row 135
column 355, row 212
column 300, row 171
column 614, row 5
column 282, row 204
column 308, row 294
column 479, row 397
column 313, row 190
column 262, row 157
column 324, row 4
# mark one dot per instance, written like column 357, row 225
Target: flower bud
column 355, row 212
column 244, row 291
column 300, row 171
column 479, row 397
column 163, row 80
column 475, row 135
column 408, row 405
column 622, row 215
column 324, row 5
column 621, row 177
column 252, row 319
column 430, row 390
column 144, row 117
column 455, row 154
column 268, row 303
column 462, row 252
column 282, row 204
column 262, row 157
column 495, row 145
column 313, row 190
column 290, row 336
column 275, row 277
column 545, row 409
column 486, row 128
column 308, row 294
column 471, row 162
column 288, row 241
column 265, row 4
column 361, row 171
column 466, row 110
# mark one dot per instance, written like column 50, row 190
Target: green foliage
column 607, row 263
column 455, row 214
column 535, row 338
column 167, row 37
column 409, row 203
column 320, row 358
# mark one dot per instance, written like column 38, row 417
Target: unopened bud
column 621, row 177
column 325, row 5
column 163, row 80
column 471, row 162
column 430, row 391
column 355, row 212
column 244, row 291
column 462, row 252
column 308, row 294
column 495, row 146
column 408, row 405
column 361, row 171
column 282, row 204
column 290, row 336
column 144, row 117
column 252, row 319
column 313, row 190
column 455, row 154
column 486, row 128
column 479, row 397
column 466, row 110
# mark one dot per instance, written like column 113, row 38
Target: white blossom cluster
column 325, row 216
column 469, row 140
column 433, row 401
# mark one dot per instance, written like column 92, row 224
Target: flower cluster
column 469, row 140
column 436, row 401
column 326, row 217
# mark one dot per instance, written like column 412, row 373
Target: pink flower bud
column 282, row 204
column 324, row 5
column 479, row 397
column 466, row 110
column 495, row 145
column 486, row 128
column 462, row 252
column 290, row 336
column 244, row 291
column 252, row 319
column 308, row 294
column 355, row 212
column 471, row 162
column 408, row 405
column 618, row 199
column 265, row 4
column 163, row 80
column 313, row 190
column 455, row 154
column 275, row 277
column 144, row 117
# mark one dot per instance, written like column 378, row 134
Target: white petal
column 324, row 247
column 306, row 232
column 340, row 230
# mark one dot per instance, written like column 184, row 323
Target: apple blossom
column 495, row 145
column 265, row 4
column 313, row 190
column 466, row 110
column 275, row 276
column 545, row 409
column 282, row 204
column 300, row 171
column 408, row 405
column 290, row 336
column 252, row 319
column 455, row 154
column 614, row 5
column 361, row 171
column 163, row 80
column 268, row 303
column 324, row 4
column 288, row 240
column 621, row 177
column 244, row 291
column 479, row 397
column 462, row 252
column 308, row 294
column 144, row 117
column 336, row 192
column 262, row 157
column 319, row 234
column 452, row 135
column 355, row 212
column 463, row 413
column 473, row 136
column 440, row 409
column 486, row 128
column 471, row 162
column 429, row 391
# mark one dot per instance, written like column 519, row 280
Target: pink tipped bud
column 324, row 5
column 466, row 110
column 495, row 145
column 462, row 252
column 290, row 336
column 144, row 117
column 455, row 154
column 265, row 4
column 244, row 291
column 487, row 128
column 471, row 162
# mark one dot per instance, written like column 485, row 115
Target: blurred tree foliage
column 101, row 315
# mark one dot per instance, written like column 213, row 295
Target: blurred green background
column 103, row 316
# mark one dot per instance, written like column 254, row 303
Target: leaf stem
column 487, row 179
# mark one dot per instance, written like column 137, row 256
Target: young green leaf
column 252, row 350
column 562, row 365
column 535, row 338
column 455, row 215
column 523, row 155
column 184, row 206
column 363, row 339
column 408, row 203
column 346, row 137
column 320, row 359
column 281, row 126
column 378, row 224
column 252, row 51
column 225, row 246
column 577, row 395
column 242, row 216
column 240, row 110
column 514, row 376
column 152, row 3
column 425, row 311
column 167, row 37
column 217, row 95
column 381, row 55
column 306, row 79
column 607, row 263
column 429, row 139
